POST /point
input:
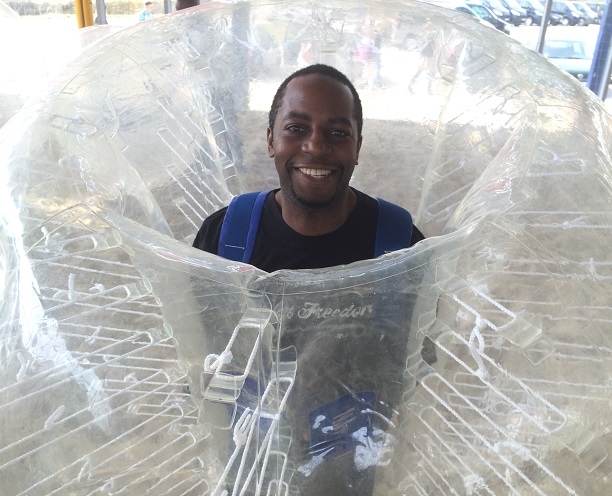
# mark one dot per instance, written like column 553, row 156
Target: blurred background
column 51, row 33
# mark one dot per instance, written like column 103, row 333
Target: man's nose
column 317, row 144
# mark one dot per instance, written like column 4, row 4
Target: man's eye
column 339, row 133
column 294, row 128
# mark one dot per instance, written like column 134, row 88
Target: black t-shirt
column 345, row 340
column 277, row 246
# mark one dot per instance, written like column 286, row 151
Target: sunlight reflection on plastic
column 476, row 362
column 33, row 53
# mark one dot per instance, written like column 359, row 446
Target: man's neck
column 316, row 222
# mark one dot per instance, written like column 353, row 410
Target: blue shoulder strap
column 240, row 225
column 394, row 228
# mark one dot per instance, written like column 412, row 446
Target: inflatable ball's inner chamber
column 476, row 362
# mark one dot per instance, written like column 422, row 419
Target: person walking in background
column 146, row 14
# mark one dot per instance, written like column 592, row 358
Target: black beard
column 311, row 205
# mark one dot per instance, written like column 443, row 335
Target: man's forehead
column 309, row 81
column 313, row 89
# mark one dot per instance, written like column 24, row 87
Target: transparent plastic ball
column 475, row 362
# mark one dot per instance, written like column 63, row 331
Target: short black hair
column 325, row 70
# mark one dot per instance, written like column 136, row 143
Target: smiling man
column 315, row 219
column 351, row 345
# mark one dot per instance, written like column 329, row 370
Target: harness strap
column 394, row 228
column 240, row 225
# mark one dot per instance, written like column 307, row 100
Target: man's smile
column 317, row 173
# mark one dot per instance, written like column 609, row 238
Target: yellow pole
column 84, row 13
column 78, row 9
column 88, row 13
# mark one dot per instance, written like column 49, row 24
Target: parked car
column 517, row 13
column 598, row 8
column 534, row 10
column 498, row 9
column 485, row 14
column 554, row 18
column 461, row 6
column 574, row 56
column 570, row 16
column 465, row 9
column 589, row 14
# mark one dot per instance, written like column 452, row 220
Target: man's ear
column 269, row 138
column 358, row 148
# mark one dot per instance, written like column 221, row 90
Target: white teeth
column 315, row 172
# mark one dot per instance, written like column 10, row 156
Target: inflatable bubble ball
column 477, row 361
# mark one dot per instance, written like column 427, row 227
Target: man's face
column 149, row 7
column 314, row 142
